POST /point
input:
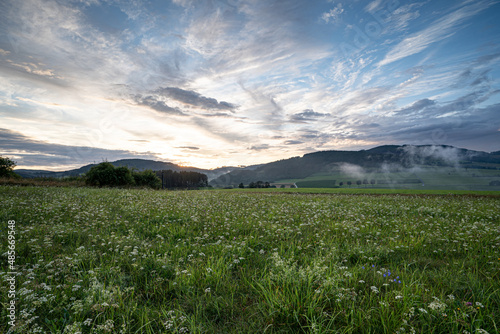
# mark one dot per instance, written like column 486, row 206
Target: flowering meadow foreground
column 140, row 261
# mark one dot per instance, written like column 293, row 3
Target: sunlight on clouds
column 244, row 82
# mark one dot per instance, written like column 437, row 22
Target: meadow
column 144, row 261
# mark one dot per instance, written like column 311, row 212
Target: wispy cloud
column 239, row 82
column 439, row 30
column 333, row 14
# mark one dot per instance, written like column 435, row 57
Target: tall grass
column 141, row 261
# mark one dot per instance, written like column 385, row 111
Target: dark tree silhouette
column 7, row 167
column 171, row 179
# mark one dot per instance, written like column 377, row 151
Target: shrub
column 105, row 174
column 147, row 178
column 101, row 175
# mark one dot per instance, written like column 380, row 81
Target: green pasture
column 249, row 261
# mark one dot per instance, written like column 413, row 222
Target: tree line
column 107, row 175
column 171, row 179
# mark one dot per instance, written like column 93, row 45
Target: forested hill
column 140, row 164
column 405, row 156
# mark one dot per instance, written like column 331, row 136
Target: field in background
column 366, row 191
column 139, row 261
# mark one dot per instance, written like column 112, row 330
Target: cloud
column 192, row 148
column 158, row 105
column 264, row 107
column 259, row 147
column 333, row 14
column 373, row 6
column 193, row 98
column 359, row 99
column 401, row 17
column 307, row 115
column 416, row 107
column 233, row 74
column 439, row 30
column 31, row 152
column 221, row 115
column 293, row 142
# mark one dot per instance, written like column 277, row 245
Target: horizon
column 262, row 163
column 236, row 82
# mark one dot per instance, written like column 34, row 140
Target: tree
column 7, row 167
column 341, row 183
column 147, row 178
column 123, row 177
column 172, row 179
column 358, row 182
column 372, row 181
column 101, row 175
column 349, row 183
column 241, row 185
column 105, row 174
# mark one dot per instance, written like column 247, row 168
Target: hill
column 140, row 164
column 385, row 165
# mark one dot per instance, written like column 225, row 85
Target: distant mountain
column 406, row 156
column 140, row 164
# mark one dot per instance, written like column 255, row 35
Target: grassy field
column 367, row 191
column 139, row 261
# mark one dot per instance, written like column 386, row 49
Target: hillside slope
column 389, row 157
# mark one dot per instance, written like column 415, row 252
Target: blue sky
column 229, row 82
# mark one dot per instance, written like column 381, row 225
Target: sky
column 212, row 83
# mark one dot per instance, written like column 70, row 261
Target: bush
column 105, row 174
column 101, row 175
column 147, row 178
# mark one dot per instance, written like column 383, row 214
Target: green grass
column 244, row 261
column 368, row 191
